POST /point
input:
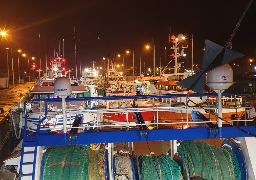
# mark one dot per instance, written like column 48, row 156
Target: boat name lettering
column 61, row 89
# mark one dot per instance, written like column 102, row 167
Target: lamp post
column 12, row 69
column 19, row 51
column 7, row 69
column 132, row 63
column 119, row 55
column 154, row 58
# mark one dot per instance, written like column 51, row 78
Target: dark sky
column 123, row 25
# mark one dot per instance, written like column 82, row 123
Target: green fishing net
column 65, row 163
column 158, row 168
column 216, row 163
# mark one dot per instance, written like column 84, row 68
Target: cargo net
column 96, row 168
column 209, row 162
column 159, row 168
column 73, row 162
column 123, row 167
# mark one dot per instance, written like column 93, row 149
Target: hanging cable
column 229, row 42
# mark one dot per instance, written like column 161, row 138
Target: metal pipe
column 64, row 114
column 219, row 112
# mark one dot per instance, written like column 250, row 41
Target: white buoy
column 62, row 88
column 219, row 80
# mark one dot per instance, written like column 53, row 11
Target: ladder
column 28, row 152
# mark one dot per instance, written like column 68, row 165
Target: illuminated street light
column 3, row 33
column 118, row 66
column 127, row 52
column 154, row 58
column 33, row 58
column 19, row 50
column 119, row 55
column 183, row 38
column 24, row 55
column 251, row 60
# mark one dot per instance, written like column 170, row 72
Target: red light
column 55, row 60
column 63, row 69
column 58, row 132
column 172, row 54
column 33, row 66
column 63, row 60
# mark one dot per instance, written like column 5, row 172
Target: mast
column 45, row 57
column 39, row 55
column 54, row 47
column 75, row 49
column 80, row 69
column 63, row 50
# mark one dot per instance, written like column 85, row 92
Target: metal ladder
column 28, row 152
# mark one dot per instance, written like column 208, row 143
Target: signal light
column 63, row 60
column 63, row 68
column 55, row 60
column 34, row 66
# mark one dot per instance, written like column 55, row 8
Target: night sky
column 110, row 27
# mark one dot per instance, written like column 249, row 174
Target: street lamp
column 128, row 52
column 119, row 55
column 154, row 57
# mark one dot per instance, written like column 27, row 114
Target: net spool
column 209, row 162
column 66, row 162
column 96, row 167
column 159, row 167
